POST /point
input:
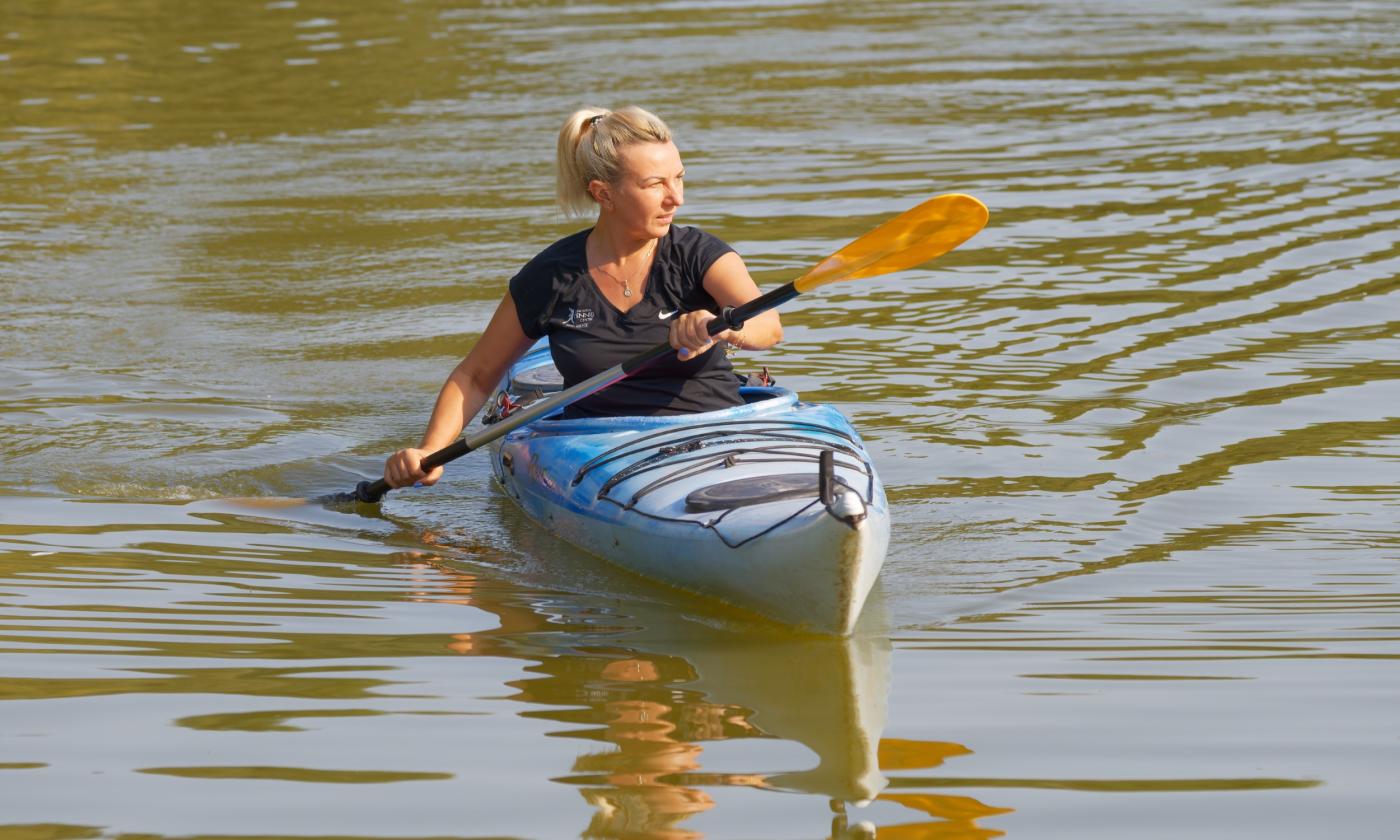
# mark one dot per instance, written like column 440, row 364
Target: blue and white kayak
column 773, row 506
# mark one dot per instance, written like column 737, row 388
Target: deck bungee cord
column 696, row 440
column 789, row 454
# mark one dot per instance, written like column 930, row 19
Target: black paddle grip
column 371, row 491
column 733, row 317
column 727, row 319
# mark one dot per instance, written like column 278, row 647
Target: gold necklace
column 626, row 283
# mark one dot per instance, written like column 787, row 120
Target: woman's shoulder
column 562, row 257
column 537, row 287
column 690, row 237
column 696, row 249
column 563, row 251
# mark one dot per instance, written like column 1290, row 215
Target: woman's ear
column 600, row 192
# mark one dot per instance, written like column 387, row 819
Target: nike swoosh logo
column 664, row 315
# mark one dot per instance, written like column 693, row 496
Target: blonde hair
column 590, row 146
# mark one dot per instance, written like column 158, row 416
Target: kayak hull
column 733, row 505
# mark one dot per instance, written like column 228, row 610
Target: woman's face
column 648, row 191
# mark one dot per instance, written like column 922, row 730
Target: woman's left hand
column 690, row 334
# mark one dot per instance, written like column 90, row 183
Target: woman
column 604, row 294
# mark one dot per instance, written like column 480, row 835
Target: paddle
column 912, row 238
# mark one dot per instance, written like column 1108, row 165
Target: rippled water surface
column 1140, row 435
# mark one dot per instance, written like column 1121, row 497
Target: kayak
column 772, row 506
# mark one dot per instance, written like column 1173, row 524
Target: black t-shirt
column 555, row 295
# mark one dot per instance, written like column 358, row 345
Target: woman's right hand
column 405, row 467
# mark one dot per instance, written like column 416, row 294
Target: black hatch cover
column 752, row 491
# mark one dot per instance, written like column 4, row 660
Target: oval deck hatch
column 752, row 491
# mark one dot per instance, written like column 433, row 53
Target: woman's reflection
column 655, row 687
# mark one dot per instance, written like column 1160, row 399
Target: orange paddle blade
column 912, row 238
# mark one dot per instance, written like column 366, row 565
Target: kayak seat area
column 546, row 379
column 754, row 394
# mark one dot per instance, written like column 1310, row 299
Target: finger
column 678, row 341
column 697, row 333
column 402, row 469
column 685, row 354
column 689, row 349
column 701, row 325
column 397, row 477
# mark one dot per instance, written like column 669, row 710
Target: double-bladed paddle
column 910, row 239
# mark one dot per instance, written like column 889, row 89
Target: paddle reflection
column 954, row 816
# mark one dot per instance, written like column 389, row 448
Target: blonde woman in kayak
column 609, row 292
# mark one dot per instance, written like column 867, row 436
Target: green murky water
column 1140, row 435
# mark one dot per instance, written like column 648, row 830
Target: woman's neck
column 612, row 244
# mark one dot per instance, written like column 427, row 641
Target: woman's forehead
column 647, row 159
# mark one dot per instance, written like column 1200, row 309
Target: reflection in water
column 658, row 699
column 279, row 639
column 658, row 693
column 955, row 818
column 259, row 611
column 638, row 800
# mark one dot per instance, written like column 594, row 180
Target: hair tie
column 593, row 120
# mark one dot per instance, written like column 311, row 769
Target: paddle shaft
column 731, row 318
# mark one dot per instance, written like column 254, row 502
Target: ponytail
column 590, row 145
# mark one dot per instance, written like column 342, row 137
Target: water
column 1140, row 434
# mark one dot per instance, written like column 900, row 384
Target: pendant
column 626, row 292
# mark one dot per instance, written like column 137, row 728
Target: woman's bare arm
column 467, row 388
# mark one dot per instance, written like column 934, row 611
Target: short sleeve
column 537, row 288
column 702, row 250
column 533, row 291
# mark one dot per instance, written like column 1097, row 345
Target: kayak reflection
column 655, row 687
